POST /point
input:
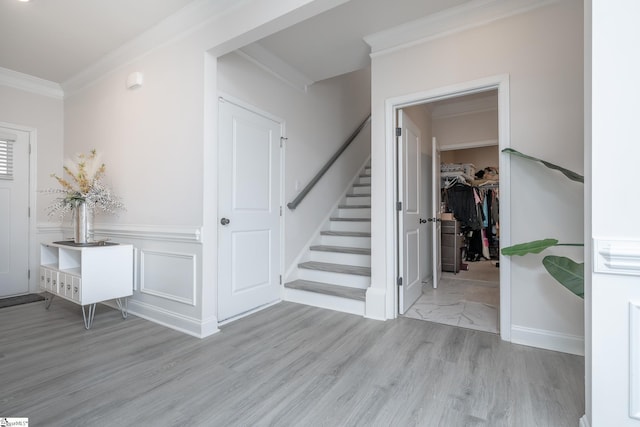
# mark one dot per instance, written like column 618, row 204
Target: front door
column 412, row 230
column 248, row 210
column 14, row 212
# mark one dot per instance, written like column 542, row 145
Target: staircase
column 336, row 270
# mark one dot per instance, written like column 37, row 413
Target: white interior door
column 412, row 230
column 14, row 208
column 249, row 210
column 436, row 213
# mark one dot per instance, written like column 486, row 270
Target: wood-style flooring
column 288, row 365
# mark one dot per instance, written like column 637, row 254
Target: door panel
column 14, row 219
column 249, row 211
column 411, row 230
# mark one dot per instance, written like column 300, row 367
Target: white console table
column 87, row 274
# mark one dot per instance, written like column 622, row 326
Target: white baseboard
column 376, row 304
column 584, row 422
column 178, row 322
column 548, row 340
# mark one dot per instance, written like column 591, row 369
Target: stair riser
column 357, row 201
column 325, row 301
column 361, row 190
column 364, row 180
column 350, row 226
column 351, row 280
column 348, row 241
column 354, row 213
column 341, row 258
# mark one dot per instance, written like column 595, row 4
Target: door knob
column 423, row 221
column 224, row 221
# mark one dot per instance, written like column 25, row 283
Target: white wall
column 612, row 386
column 467, row 128
column 318, row 122
column 159, row 146
column 542, row 52
column 42, row 116
column 481, row 157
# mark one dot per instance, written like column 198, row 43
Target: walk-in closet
column 467, row 294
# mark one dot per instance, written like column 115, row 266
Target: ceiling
column 57, row 39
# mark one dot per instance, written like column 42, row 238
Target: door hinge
column 399, row 281
column 29, row 148
column 282, row 140
column 29, row 212
column 280, row 210
column 281, row 279
column 29, row 274
column 398, row 132
column 399, row 206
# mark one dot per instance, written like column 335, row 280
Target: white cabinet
column 87, row 275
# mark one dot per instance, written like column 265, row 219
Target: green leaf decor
column 569, row 273
column 534, row 247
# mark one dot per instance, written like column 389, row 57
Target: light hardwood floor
column 289, row 365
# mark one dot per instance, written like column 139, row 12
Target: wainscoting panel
column 168, row 275
column 167, row 265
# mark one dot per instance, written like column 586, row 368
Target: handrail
column 294, row 204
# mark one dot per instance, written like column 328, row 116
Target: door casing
column 392, row 105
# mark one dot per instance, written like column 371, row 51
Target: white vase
column 80, row 223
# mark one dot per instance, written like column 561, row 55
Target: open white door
column 249, row 211
column 436, row 213
column 411, row 227
column 14, row 208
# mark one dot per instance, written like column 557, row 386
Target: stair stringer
column 304, row 255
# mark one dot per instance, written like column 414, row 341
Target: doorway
column 495, row 272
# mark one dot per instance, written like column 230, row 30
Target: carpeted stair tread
column 341, row 249
column 345, row 233
column 354, row 207
column 327, row 289
column 336, row 268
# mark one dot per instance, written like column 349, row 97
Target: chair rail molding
column 616, row 256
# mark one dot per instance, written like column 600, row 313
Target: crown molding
column 28, row 83
column 182, row 23
column 473, row 14
column 272, row 64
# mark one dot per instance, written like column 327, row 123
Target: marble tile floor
column 469, row 299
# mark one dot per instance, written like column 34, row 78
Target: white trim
column 500, row 82
column 130, row 231
column 472, row 144
column 550, row 340
column 275, row 66
column 28, row 83
column 634, row 354
column 194, row 285
column 616, row 257
column 584, row 421
column 175, row 321
column 470, row 15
